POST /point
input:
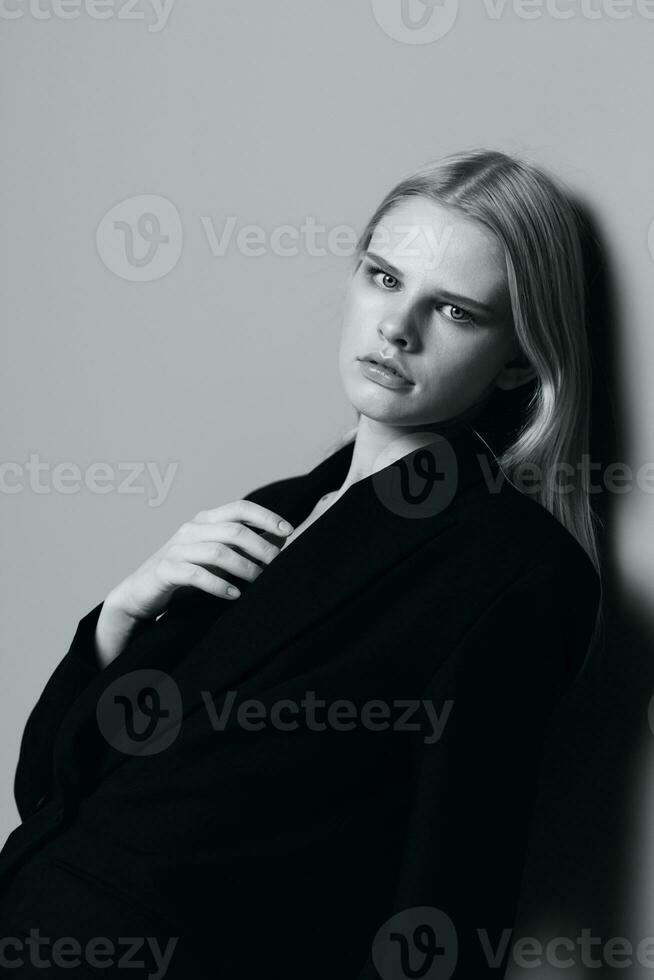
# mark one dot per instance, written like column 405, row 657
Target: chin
column 377, row 411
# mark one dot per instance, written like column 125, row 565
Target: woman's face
column 432, row 292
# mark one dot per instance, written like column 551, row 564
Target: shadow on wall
column 586, row 831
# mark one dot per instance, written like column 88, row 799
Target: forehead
column 440, row 246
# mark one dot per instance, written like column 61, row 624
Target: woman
column 332, row 773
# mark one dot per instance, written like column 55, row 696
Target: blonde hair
column 539, row 229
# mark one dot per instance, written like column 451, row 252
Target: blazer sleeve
column 473, row 789
column 33, row 777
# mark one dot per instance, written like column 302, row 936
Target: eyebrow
column 452, row 298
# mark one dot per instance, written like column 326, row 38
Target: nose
column 404, row 322
column 394, row 331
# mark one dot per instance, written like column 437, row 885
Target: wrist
column 117, row 609
column 115, row 629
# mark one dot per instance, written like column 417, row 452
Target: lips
column 389, row 363
column 387, row 367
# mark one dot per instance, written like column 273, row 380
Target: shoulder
column 525, row 536
column 536, row 584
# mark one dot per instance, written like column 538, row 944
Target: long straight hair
column 539, row 228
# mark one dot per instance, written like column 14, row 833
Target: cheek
column 354, row 318
column 467, row 361
column 350, row 338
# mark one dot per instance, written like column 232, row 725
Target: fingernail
column 285, row 527
column 232, row 591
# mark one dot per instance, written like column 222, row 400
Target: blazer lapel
column 378, row 522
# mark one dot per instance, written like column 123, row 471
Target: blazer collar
column 420, row 485
column 379, row 521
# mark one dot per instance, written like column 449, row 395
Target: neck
column 377, row 444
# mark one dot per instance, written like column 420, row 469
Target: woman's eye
column 373, row 271
column 457, row 313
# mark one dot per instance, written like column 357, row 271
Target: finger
column 216, row 554
column 238, row 536
column 249, row 512
column 185, row 573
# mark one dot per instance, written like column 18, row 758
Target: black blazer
column 287, row 851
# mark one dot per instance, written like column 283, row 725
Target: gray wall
column 225, row 366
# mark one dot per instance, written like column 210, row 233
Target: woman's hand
column 215, row 539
